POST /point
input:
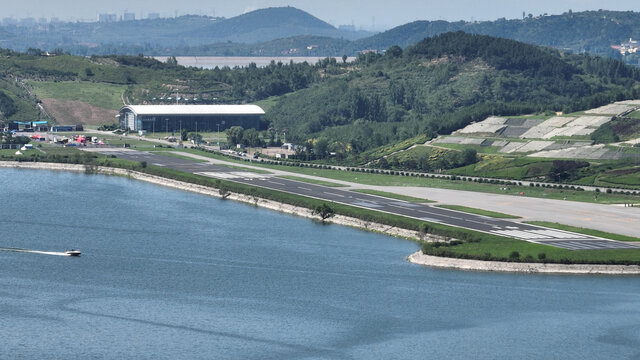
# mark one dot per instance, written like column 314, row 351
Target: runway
column 503, row 227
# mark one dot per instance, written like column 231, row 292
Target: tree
column 324, row 211
column 197, row 138
column 394, row 51
column 171, row 60
column 224, row 191
column 344, row 59
column 251, row 137
column 321, row 147
column 235, row 135
column 468, row 156
column 604, row 135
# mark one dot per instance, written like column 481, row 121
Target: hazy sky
column 362, row 13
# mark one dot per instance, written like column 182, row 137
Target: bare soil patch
column 77, row 112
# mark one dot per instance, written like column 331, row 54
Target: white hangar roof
column 194, row 109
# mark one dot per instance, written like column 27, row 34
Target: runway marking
column 402, row 207
column 277, row 183
column 410, row 205
column 156, row 164
column 304, row 188
column 589, row 244
column 367, row 204
column 328, row 193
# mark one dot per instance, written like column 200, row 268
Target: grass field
column 471, row 210
column 478, row 148
column 501, row 249
column 103, row 95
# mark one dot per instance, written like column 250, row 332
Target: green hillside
column 443, row 83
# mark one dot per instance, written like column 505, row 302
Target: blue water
column 172, row 275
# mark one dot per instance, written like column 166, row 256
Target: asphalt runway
column 504, row 227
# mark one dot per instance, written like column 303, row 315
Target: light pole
column 166, row 122
column 218, row 136
column 181, row 131
column 197, row 142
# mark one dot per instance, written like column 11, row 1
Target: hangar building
column 189, row 117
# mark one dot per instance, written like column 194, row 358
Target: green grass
column 634, row 115
column 580, row 230
column 506, row 168
column 478, row 148
column 312, row 181
column 98, row 94
column 267, row 103
column 393, row 196
column 471, row 210
column 499, row 249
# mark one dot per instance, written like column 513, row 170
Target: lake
column 210, row 62
column 167, row 274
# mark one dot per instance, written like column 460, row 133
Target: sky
column 366, row 14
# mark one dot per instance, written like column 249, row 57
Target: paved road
column 503, row 227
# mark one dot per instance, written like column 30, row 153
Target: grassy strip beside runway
column 505, row 249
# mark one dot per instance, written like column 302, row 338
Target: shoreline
column 247, row 199
column 419, row 258
column 416, row 258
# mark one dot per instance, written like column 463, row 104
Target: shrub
column 514, row 255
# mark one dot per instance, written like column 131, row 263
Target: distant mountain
column 287, row 30
column 270, row 24
column 158, row 35
column 589, row 31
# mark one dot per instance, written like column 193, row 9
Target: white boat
column 73, row 252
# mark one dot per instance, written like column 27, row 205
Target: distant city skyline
column 370, row 15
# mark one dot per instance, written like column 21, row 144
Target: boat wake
column 55, row 253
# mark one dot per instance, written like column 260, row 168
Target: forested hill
column 588, row 31
column 443, row 83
